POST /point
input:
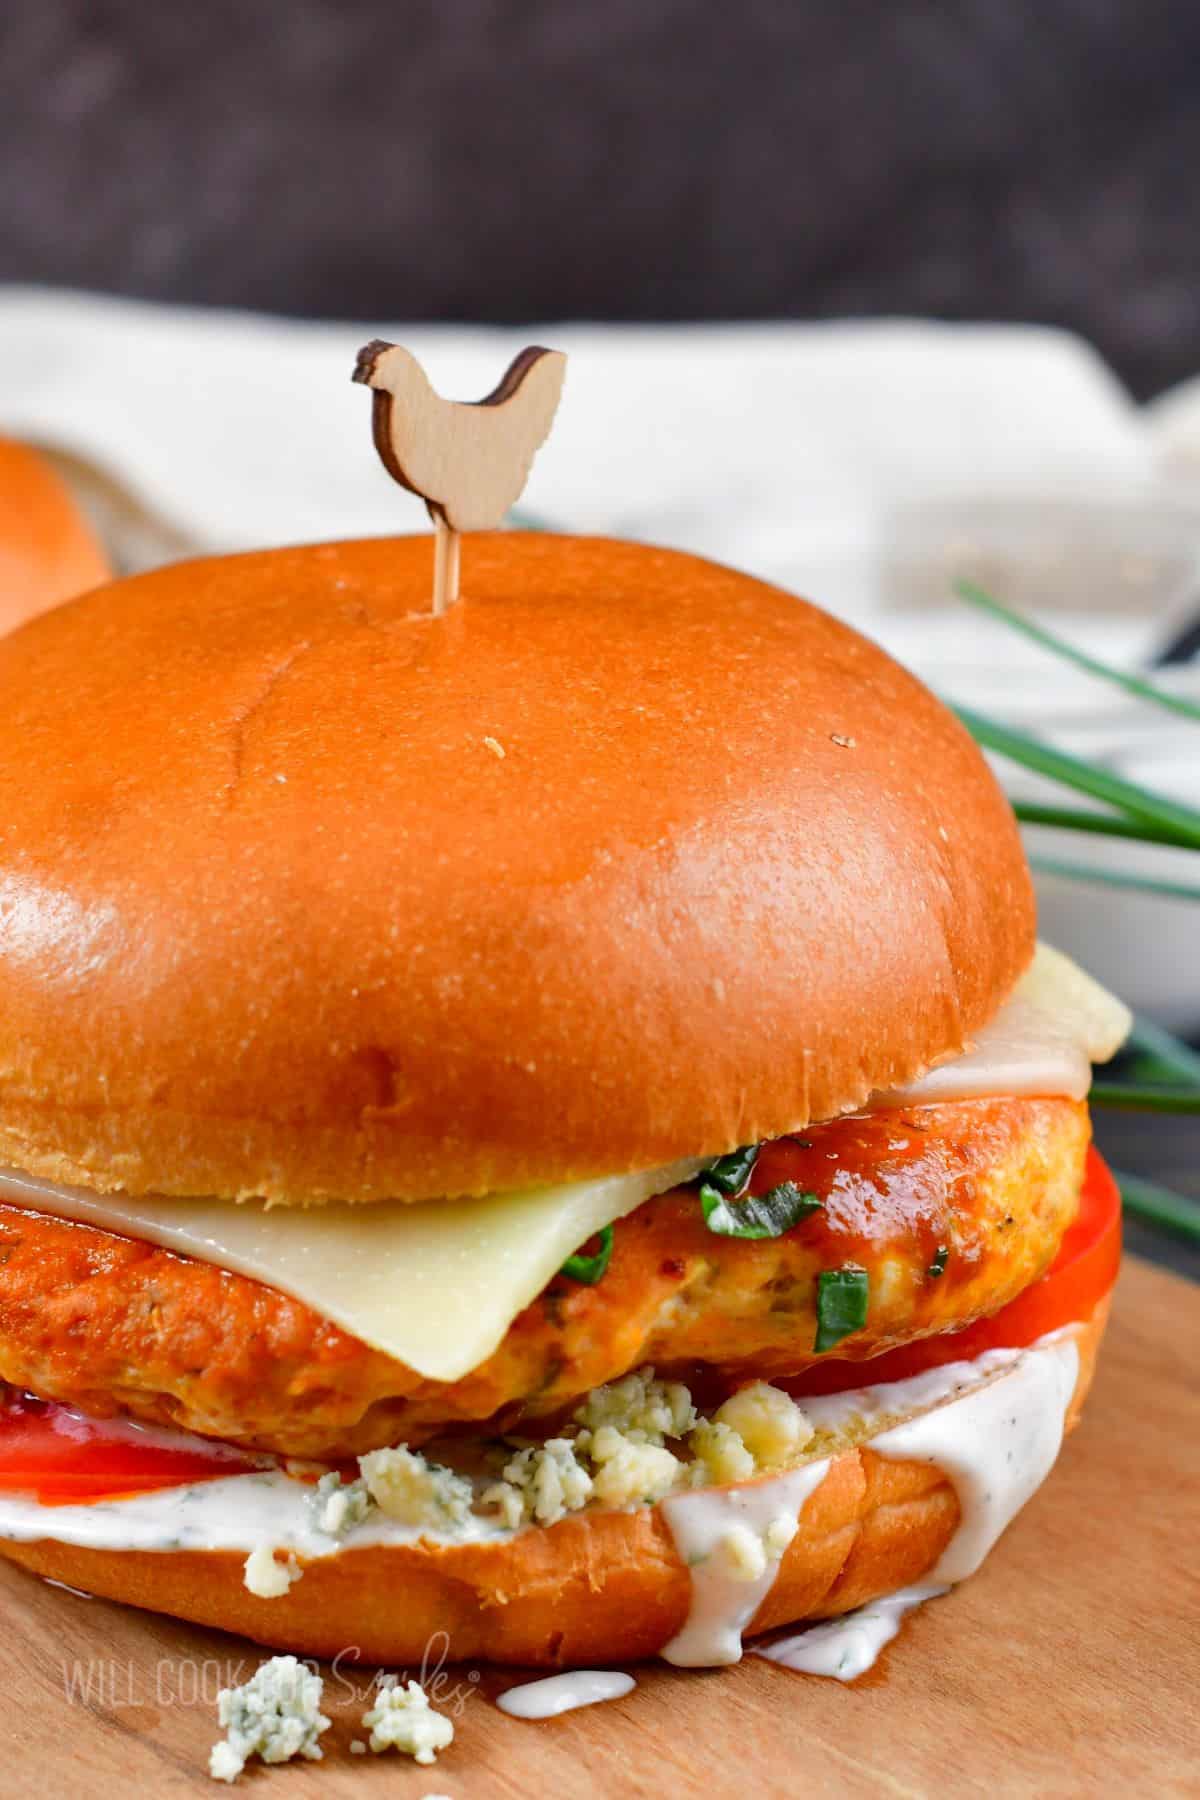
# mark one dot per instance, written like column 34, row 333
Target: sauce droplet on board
column 846, row 1648
column 563, row 1693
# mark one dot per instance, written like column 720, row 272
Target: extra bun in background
column 627, row 858
column 597, row 1588
column 48, row 551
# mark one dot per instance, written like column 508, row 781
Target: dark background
column 618, row 159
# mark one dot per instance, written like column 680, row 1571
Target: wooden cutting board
column 1070, row 1666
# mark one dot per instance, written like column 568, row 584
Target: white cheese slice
column 1059, row 988
column 1043, row 1041
column 438, row 1284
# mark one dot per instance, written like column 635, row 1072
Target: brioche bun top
column 48, row 551
column 626, row 858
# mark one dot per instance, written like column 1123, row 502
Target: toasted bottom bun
column 595, row 1588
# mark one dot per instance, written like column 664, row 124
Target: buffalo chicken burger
column 546, row 1124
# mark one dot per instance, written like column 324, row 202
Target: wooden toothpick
column 469, row 461
column 445, row 563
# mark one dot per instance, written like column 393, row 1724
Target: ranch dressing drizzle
column 724, row 1600
column 997, row 1445
column 846, row 1648
column 237, row 1512
column 997, row 1441
column 563, row 1693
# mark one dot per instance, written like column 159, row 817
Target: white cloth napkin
column 781, row 447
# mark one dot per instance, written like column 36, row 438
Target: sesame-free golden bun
column 48, row 551
column 626, row 858
column 597, row 1588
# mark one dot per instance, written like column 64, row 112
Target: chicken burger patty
column 952, row 1210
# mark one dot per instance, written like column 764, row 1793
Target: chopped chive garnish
column 841, row 1304
column 729, row 1174
column 589, row 1269
column 766, row 1215
column 938, row 1265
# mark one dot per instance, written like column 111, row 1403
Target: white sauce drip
column 563, row 1693
column 846, row 1648
column 995, row 1428
column 997, row 1445
column 994, row 1425
column 722, row 1604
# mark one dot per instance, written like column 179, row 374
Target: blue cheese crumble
column 617, row 1452
column 629, row 1443
column 266, row 1576
column 406, row 1487
column 543, row 1482
column 276, row 1715
column 338, row 1505
column 402, row 1719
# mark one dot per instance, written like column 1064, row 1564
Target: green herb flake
column 938, row 1265
column 589, row 1269
column 729, row 1174
column 841, row 1304
column 766, row 1215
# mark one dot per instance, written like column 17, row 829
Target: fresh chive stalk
column 1049, row 640
column 1077, row 818
column 1135, row 813
column 1162, row 1057
column 1159, row 1207
column 1115, row 878
column 1127, row 1096
column 1164, row 815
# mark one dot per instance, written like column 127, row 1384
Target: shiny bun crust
column 594, row 1589
column 626, row 858
column 48, row 552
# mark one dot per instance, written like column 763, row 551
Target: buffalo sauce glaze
column 919, row 1198
column 884, row 1179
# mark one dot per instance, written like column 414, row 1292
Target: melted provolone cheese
column 437, row 1284
column 1044, row 1041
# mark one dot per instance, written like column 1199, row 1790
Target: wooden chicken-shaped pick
column 469, row 461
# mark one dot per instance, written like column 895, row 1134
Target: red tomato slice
column 1080, row 1275
column 63, row 1458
